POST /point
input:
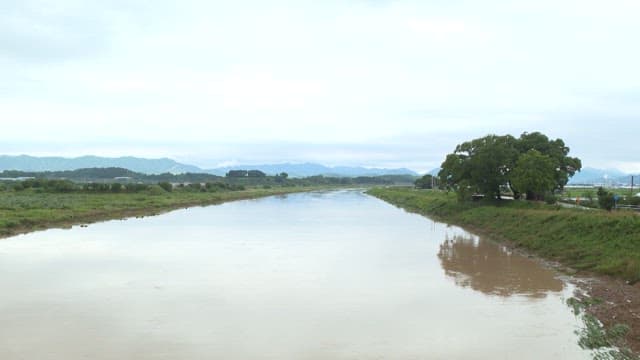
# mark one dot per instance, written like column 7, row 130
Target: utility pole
column 631, row 185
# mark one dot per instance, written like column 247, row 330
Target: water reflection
column 493, row 269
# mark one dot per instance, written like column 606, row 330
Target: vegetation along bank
column 29, row 210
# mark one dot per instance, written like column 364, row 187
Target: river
column 323, row 275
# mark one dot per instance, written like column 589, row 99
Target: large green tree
column 533, row 175
column 565, row 166
column 531, row 164
column 480, row 165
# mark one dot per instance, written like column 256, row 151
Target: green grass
column 30, row 210
column 606, row 243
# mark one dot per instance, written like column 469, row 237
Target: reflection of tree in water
column 493, row 269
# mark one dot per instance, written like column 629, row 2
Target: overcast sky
column 341, row 82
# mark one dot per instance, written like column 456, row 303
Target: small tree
column 605, row 199
column 425, row 182
column 116, row 187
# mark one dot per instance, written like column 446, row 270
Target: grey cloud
column 44, row 31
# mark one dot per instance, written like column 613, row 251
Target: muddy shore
column 620, row 305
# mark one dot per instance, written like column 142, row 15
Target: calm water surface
column 331, row 275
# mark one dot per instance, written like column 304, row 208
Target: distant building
column 21, row 178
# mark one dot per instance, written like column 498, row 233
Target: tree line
column 84, row 180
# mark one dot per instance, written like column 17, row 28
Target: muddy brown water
column 325, row 275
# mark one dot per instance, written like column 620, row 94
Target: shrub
column 96, row 187
column 166, row 186
column 60, row 186
column 116, row 187
column 605, row 199
column 155, row 190
column 136, row 187
column 194, row 186
column 550, row 199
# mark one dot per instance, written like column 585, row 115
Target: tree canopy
column 425, row 182
column 530, row 165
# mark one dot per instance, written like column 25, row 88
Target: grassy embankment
column 29, row 210
column 606, row 243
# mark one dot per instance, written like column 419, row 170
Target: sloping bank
column 597, row 241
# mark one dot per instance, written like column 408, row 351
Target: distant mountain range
column 588, row 176
column 592, row 176
column 165, row 165
column 311, row 169
column 146, row 166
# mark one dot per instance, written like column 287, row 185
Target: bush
column 60, row 186
column 424, row 182
column 216, row 186
column 33, row 183
column 166, row 186
column 116, row 187
column 155, row 190
column 550, row 199
column 605, row 199
column 194, row 187
column 136, row 187
column 96, row 187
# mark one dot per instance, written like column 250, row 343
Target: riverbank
column 584, row 242
column 27, row 211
